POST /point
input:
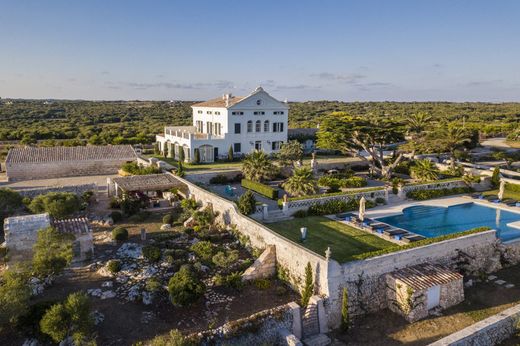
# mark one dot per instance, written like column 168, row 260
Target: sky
column 365, row 50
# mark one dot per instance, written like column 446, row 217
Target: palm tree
column 453, row 137
column 424, row 170
column 417, row 123
column 301, row 183
column 257, row 166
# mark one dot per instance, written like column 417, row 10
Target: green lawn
column 345, row 242
column 507, row 194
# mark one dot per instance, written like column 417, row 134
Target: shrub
column 334, row 183
column 130, row 205
column 260, row 188
column 204, row 217
column 114, row 266
column 203, row 250
column 174, row 338
column 185, row 287
column 14, row 294
column 354, row 182
column 167, row 219
column 247, row 203
column 225, row 259
column 512, row 187
column 495, row 178
column 114, row 203
column 219, row 179
column 281, row 291
column 137, row 169
column 140, row 216
column 421, row 195
column 308, row 288
column 189, row 204
column 336, row 206
column 153, row 285
column 151, row 253
column 300, row 213
column 262, row 284
column 233, row 280
column 116, row 216
column 57, row 204
column 120, row 234
column 52, row 251
column 72, row 317
column 380, row 200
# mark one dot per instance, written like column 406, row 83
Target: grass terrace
column 507, row 194
column 345, row 242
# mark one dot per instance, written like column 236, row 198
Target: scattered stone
column 166, row 227
column 103, row 271
column 133, row 293
column 469, row 283
column 108, row 295
column 146, row 317
column 509, row 286
column 98, row 317
column 95, row 292
column 107, row 284
column 30, row 342
column 491, row 277
column 36, row 285
column 67, row 342
column 130, row 250
column 500, row 282
column 147, row 298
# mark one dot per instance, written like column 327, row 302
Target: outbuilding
column 32, row 163
column 415, row 291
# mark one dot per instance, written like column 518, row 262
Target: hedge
column 419, row 243
column 260, row 188
column 421, row 195
column 340, row 193
column 512, row 187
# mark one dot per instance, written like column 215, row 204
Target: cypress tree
column 308, row 289
column 345, row 318
column 181, row 154
column 196, row 156
column 495, row 178
column 230, row 153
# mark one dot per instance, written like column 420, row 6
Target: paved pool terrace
column 508, row 219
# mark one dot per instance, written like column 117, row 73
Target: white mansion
column 257, row 121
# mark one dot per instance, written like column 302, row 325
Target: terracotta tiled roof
column 423, row 276
column 148, row 182
column 220, row 102
column 74, row 226
column 61, row 154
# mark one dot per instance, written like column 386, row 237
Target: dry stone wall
column 76, row 189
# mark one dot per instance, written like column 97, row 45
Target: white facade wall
column 215, row 127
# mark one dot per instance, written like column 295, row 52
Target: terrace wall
column 76, row 189
column 365, row 280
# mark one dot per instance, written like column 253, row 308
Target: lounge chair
column 477, row 195
column 393, row 232
column 378, row 227
column 509, row 201
column 412, row 238
column 344, row 216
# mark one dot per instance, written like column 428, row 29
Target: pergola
column 146, row 183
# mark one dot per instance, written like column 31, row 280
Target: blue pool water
column 431, row 221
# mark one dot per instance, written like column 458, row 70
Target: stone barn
column 32, row 163
column 415, row 291
column 21, row 233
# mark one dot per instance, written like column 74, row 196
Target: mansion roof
column 62, row 154
column 220, row 102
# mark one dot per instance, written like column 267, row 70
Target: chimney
column 226, row 98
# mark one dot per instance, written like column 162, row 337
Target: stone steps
column 310, row 322
column 317, row 340
column 277, row 216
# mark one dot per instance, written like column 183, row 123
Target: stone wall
column 491, row 331
column 263, row 267
column 32, row 171
column 77, row 189
column 365, row 280
column 289, row 255
column 432, row 186
column 262, row 328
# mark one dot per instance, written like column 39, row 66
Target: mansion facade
column 253, row 122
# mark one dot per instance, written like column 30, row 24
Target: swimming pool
column 433, row 221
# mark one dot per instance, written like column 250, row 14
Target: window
column 258, row 126
column 217, row 129
column 258, row 102
column 237, row 113
column 209, row 112
column 266, row 126
column 278, row 113
column 276, row 145
column 200, row 112
column 258, row 145
column 238, row 127
column 237, row 148
column 249, row 126
column 277, row 127
column 217, row 113
column 199, row 125
column 259, row 113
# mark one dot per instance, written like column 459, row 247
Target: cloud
column 482, row 83
column 221, row 84
column 437, row 65
column 350, row 78
column 297, row 87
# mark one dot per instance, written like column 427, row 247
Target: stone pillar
column 285, row 208
column 265, row 211
column 386, row 194
column 322, row 318
column 297, row 319
column 143, row 234
column 400, row 192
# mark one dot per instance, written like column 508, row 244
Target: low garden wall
column 447, row 184
column 303, row 204
column 262, row 328
column 77, row 189
column 491, row 331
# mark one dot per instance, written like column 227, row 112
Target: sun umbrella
column 502, row 189
column 362, row 203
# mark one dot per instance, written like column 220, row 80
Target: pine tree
column 230, row 154
column 308, row 289
column 345, row 318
